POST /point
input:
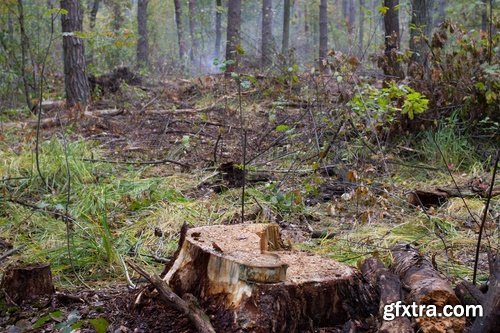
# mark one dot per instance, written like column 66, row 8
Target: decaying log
column 427, row 199
column 247, row 282
column 490, row 322
column 468, row 294
column 25, row 282
column 426, row 287
column 389, row 287
column 185, row 305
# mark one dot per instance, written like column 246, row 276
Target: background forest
column 355, row 125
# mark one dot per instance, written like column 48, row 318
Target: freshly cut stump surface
column 248, row 281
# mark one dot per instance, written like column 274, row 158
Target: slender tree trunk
column 24, row 46
column 484, row 15
column 192, row 30
column 117, row 16
column 420, row 31
column 233, row 33
column 180, row 31
column 352, row 16
column 75, row 77
column 323, row 33
column 267, row 33
column 142, row 29
column 92, row 19
column 441, row 4
column 390, row 65
column 218, row 24
column 286, row 27
column 361, row 25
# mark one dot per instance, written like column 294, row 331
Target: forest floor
column 171, row 153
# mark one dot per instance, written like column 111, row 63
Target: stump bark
column 27, row 282
column 248, row 282
column 426, row 287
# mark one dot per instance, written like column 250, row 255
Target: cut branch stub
column 247, row 281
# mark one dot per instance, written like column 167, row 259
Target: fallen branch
column 11, row 252
column 186, row 306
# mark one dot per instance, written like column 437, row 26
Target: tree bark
column 441, row 9
column 142, row 28
column 352, row 17
column 490, row 321
column 286, row 27
column 233, row 33
column 484, row 15
column 23, row 283
column 180, row 30
column 75, row 77
column 192, row 30
column 389, row 287
column 218, row 24
column 390, row 65
column 361, row 25
column 267, row 33
column 24, row 46
column 426, row 286
column 323, row 34
column 420, row 31
column 92, row 19
column 117, row 22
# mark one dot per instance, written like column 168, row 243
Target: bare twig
column 11, row 252
column 163, row 161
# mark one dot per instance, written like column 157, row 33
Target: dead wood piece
column 427, row 199
column 426, row 287
column 468, row 293
column 490, row 321
column 390, row 291
column 186, row 306
column 110, row 82
column 247, row 282
column 25, row 282
column 105, row 112
column 10, row 253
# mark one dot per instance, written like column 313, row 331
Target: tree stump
column 26, row 282
column 248, row 281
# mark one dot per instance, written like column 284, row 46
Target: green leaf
column 42, row 320
column 383, row 10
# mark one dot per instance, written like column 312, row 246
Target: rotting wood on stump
column 389, row 287
column 26, row 282
column 247, row 282
column 427, row 287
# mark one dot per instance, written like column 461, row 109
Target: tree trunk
column 24, row 46
column 118, row 19
column 420, row 31
column 192, row 30
column 180, row 31
column 441, row 9
column 352, row 16
column 426, row 286
column 267, row 33
column 361, row 25
column 286, row 27
column 92, row 19
column 390, row 65
column 233, row 34
column 248, row 282
column 218, row 24
column 484, row 15
column 75, row 77
column 142, row 28
column 323, row 34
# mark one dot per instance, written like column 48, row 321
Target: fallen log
column 490, row 321
column 426, row 287
column 468, row 293
column 389, row 288
column 247, row 282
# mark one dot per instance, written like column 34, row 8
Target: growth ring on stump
column 248, row 281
